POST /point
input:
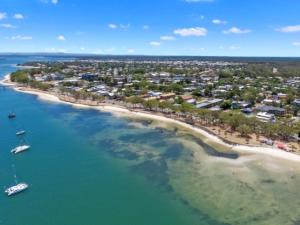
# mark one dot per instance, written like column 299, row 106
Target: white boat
column 16, row 189
column 21, row 132
column 20, row 149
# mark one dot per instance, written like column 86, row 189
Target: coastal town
column 248, row 103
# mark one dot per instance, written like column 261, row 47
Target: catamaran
column 21, row 132
column 16, row 189
column 19, row 149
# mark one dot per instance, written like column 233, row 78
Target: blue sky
column 156, row 27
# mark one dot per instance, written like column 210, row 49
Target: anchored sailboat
column 20, row 148
column 19, row 187
column 21, row 132
column 16, row 189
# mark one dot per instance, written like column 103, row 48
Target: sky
column 156, row 27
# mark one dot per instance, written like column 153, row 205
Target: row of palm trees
column 229, row 121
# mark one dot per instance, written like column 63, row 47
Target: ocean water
column 87, row 167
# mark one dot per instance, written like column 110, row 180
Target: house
column 167, row 96
column 192, row 101
column 154, row 94
column 271, row 102
column 209, row 103
column 57, row 77
column 186, row 98
column 240, row 105
column 219, row 92
column 88, row 77
column 271, row 110
column 265, row 117
column 282, row 96
column 215, row 109
column 297, row 103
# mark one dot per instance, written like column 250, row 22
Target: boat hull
column 20, row 149
column 16, row 189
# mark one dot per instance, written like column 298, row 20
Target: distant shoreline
column 117, row 110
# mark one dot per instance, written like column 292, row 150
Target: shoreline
column 208, row 138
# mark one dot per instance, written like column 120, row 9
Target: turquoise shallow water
column 73, row 180
column 87, row 167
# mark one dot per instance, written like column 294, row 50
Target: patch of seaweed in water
column 268, row 181
column 125, row 154
column 142, row 121
column 155, row 171
column 211, row 151
column 114, row 149
column 148, row 137
column 296, row 222
column 149, row 156
column 203, row 216
column 159, row 144
column 173, row 152
column 107, row 144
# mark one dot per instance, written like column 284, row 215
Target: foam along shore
column 6, row 81
column 205, row 136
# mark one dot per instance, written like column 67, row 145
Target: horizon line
column 134, row 55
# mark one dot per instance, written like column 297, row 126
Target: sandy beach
column 118, row 111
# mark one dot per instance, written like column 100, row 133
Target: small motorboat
column 11, row 116
column 21, row 132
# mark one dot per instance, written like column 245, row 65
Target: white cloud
column 131, row 51
column 18, row 16
column 7, row 25
column 191, row 1
column 79, row 33
column 289, row 29
column 155, row 43
column 117, row 26
column 167, row 38
column 82, row 48
column 61, row 38
column 55, row 2
column 111, row 49
column 217, row 21
column 112, row 26
column 59, row 50
column 124, row 26
column 146, row 27
column 234, row 48
column 195, row 49
column 20, row 37
column 105, row 51
column 235, row 30
column 3, row 15
column 194, row 31
column 296, row 43
column 98, row 51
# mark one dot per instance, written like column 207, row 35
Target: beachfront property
column 271, row 110
column 266, row 117
column 209, row 103
column 185, row 88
